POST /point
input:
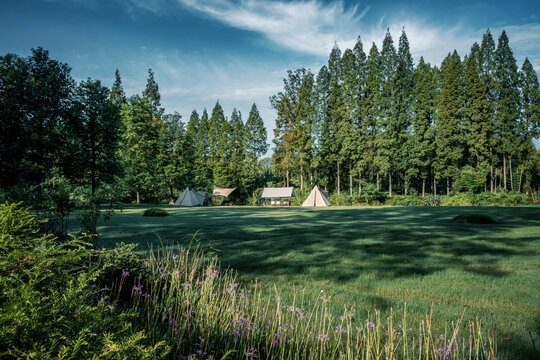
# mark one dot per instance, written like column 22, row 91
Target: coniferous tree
column 506, row 104
column 203, row 173
column 448, row 122
column 141, row 145
column 487, row 56
column 255, row 143
column 338, row 120
column 421, row 138
column 529, row 128
column 386, row 142
column 237, row 157
column 117, row 95
column 476, row 116
column 368, row 144
column 321, row 126
column 401, row 114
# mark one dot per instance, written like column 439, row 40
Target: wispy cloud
column 306, row 26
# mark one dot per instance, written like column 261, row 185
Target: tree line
column 379, row 120
column 93, row 136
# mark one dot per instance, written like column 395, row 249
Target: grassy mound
column 155, row 212
column 474, row 219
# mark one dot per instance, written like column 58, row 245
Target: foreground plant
column 186, row 301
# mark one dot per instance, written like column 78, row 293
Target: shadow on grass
column 346, row 246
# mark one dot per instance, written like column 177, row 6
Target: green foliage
column 57, row 204
column 155, row 212
column 51, row 303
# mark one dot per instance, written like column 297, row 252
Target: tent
column 222, row 191
column 190, row 198
column 316, row 198
column 274, row 193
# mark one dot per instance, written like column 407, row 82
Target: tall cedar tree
column 338, row 120
column 321, row 124
column 477, row 120
column 350, row 122
column 237, row 162
column 448, row 123
column 117, row 95
column 401, row 114
column 506, row 105
column 367, row 146
column 487, row 75
column 216, row 140
column 388, row 153
column 360, row 117
column 255, row 143
column 421, row 138
column 96, row 131
column 203, row 172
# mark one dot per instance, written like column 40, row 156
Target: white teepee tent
column 316, row 198
column 190, row 198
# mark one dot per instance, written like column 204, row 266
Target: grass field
column 374, row 258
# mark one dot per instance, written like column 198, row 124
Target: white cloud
column 306, row 26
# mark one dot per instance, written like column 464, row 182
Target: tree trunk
column 350, row 183
column 520, row 178
column 377, row 181
column 171, row 192
column 360, row 182
column 434, row 187
column 287, row 178
column 138, row 202
column 504, row 171
column 448, row 186
column 390, row 183
column 423, row 187
column 338, row 180
column 491, row 179
column 405, row 186
column 302, row 177
column 511, row 175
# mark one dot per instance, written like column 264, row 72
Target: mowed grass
column 374, row 258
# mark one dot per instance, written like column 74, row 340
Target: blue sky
column 238, row 51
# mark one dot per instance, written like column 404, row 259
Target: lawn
column 374, row 258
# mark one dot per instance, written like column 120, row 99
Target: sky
column 238, row 51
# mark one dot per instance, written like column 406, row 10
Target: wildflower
column 441, row 337
column 275, row 342
column 252, row 352
column 323, row 337
column 125, row 273
column 175, row 330
column 341, row 329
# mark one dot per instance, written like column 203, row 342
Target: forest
column 379, row 120
column 372, row 120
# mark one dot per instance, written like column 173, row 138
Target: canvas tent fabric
column 274, row 193
column 190, row 198
column 222, row 191
column 316, row 198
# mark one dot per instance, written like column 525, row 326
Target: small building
column 278, row 193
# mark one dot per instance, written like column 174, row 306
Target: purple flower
column 125, row 273
column 323, row 337
column 275, row 342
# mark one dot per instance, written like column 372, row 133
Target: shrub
column 474, row 219
column 155, row 212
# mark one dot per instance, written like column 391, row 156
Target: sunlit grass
column 374, row 258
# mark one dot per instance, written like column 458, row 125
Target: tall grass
column 199, row 310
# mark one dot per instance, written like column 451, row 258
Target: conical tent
column 316, row 198
column 190, row 198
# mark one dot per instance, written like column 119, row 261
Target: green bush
column 155, row 212
column 51, row 302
